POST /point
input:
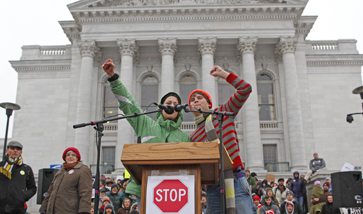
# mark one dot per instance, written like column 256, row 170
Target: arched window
column 110, row 104
column 187, row 84
column 149, row 94
column 266, row 101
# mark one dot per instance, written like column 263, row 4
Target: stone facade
column 60, row 86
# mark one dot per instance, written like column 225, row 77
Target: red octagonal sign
column 170, row 195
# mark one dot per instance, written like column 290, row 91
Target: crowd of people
column 291, row 196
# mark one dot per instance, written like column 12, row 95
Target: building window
column 110, row 104
column 108, row 161
column 266, row 103
column 187, row 84
column 225, row 91
column 270, row 157
column 149, row 94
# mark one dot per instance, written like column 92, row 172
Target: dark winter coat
column 328, row 209
column 115, row 198
column 16, row 191
column 70, row 191
column 297, row 186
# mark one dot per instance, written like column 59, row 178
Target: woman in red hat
column 71, row 189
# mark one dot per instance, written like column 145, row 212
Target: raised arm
column 237, row 100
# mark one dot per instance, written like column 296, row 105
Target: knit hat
column 208, row 97
column 113, row 185
column 256, row 197
column 289, row 204
column 170, row 94
column 289, row 192
column 326, row 184
column 106, row 199
column 247, row 170
column 317, row 183
column 109, row 206
column 280, row 179
column 270, row 212
column 253, row 174
column 75, row 150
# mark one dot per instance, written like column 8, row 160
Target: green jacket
column 147, row 129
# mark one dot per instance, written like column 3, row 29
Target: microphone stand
column 221, row 179
column 99, row 128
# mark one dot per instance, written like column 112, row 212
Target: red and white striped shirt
column 229, row 133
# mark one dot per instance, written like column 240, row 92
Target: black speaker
column 347, row 189
column 45, row 178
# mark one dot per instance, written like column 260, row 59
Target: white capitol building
column 302, row 89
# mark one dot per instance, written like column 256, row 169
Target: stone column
column 286, row 47
column 167, row 49
column 207, row 47
column 88, row 50
column 251, row 118
column 125, row 133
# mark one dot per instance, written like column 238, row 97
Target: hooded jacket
column 297, row 186
column 328, row 209
column 265, row 208
column 297, row 208
column 70, row 191
column 148, row 130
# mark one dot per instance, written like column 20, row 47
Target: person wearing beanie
column 165, row 129
column 298, row 187
column 103, row 185
column 318, row 198
column 315, row 165
column 268, row 207
column 289, row 208
column 290, row 200
column 109, row 209
column 104, row 202
column 115, row 197
column 327, row 179
column 280, row 191
column 126, row 207
column 16, row 179
column 207, row 128
column 71, row 189
column 328, row 206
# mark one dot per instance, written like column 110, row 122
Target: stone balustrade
column 341, row 46
column 37, row 52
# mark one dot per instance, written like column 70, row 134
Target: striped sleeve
column 237, row 100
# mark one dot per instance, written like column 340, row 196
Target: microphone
column 167, row 109
column 180, row 107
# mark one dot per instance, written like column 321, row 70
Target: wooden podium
column 200, row 159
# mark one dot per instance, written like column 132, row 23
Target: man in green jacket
column 165, row 129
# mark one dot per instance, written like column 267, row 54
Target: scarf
column 67, row 166
column 228, row 173
column 8, row 165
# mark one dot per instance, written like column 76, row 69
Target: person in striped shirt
column 208, row 130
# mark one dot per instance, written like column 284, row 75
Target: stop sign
column 170, row 195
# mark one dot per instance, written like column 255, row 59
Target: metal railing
column 104, row 169
column 277, row 167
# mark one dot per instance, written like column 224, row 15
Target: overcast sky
column 25, row 22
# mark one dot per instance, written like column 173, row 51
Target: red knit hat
column 75, row 150
column 209, row 100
